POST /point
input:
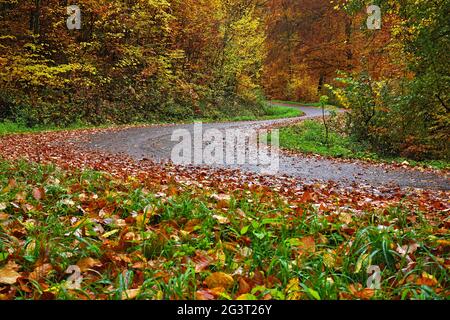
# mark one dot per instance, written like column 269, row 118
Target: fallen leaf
column 221, row 219
column 201, row 261
column 244, row 287
column 407, row 249
column 427, row 280
column 130, row 294
column 219, row 279
column 221, row 197
column 360, row 293
column 88, row 263
column 293, row 290
column 38, row 193
column 204, row 295
column 40, row 272
column 9, row 274
column 305, row 245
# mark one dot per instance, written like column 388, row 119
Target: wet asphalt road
column 156, row 143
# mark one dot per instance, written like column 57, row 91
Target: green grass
column 8, row 127
column 309, row 137
column 122, row 225
column 298, row 103
column 270, row 113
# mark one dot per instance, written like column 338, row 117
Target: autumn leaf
column 9, row 274
column 201, row 261
column 407, row 249
column 305, row 245
column 130, row 294
column 38, row 193
column 40, row 272
column 219, row 279
column 221, row 219
column 204, row 295
column 88, row 263
column 221, row 197
column 244, row 287
column 427, row 280
column 360, row 293
column 293, row 290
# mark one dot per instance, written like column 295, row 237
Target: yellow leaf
column 88, row 263
column 246, row 296
column 293, row 290
column 130, row 294
column 219, row 279
column 9, row 274
column 329, row 260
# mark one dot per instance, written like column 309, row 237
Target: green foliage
column 392, row 123
column 406, row 115
column 310, row 137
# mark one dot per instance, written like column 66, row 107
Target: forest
column 355, row 93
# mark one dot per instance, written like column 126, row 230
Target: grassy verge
column 8, row 127
column 298, row 103
column 271, row 112
column 129, row 241
column 309, row 137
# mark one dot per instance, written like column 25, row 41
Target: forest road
column 155, row 142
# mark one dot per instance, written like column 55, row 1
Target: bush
column 393, row 123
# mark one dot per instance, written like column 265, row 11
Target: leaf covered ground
column 147, row 231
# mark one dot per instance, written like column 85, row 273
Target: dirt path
column 155, row 143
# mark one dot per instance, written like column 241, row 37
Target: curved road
column 155, row 143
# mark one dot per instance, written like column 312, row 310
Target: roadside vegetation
column 269, row 112
column 309, row 137
column 131, row 239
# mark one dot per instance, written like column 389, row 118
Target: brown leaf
column 427, row 280
column 219, row 279
column 88, row 263
column 244, row 287
column 9, row 274
column 38, row 193
column 190, row 226
column 305, row 245
column 306, row 197
column 204, row 295
column 201, row 261
column 40, row 272
column 12, row 183
column 360, row 293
